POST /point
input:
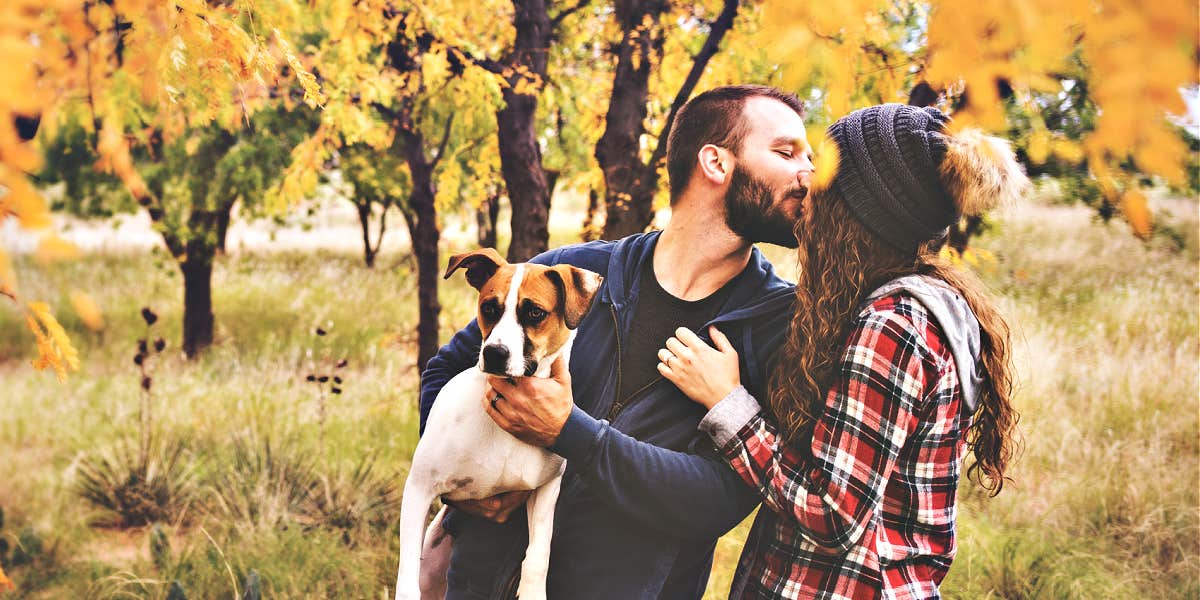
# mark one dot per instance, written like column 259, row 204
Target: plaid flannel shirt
column 868, row 509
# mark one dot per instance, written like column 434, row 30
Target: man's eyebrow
column 795, row 142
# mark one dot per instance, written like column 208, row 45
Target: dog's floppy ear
column 480, row 265
column 576, row 290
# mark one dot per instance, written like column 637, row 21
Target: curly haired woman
column 896, row 364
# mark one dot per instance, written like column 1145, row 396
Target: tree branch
column 716, row 32
column 558, row 19
column 441, row 149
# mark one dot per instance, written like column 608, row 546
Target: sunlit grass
column 1103, row 503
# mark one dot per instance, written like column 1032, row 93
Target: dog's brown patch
column 538, row 291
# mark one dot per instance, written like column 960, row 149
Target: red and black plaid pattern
column 867, row 510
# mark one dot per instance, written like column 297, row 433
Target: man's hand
column 496, row 508
column 533, row 409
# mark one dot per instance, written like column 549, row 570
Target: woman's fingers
column 690, row 339
column 719, row 340
column 676, row 347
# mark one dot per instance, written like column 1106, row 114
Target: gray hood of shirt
column 958, row 323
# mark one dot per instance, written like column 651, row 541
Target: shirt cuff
column 729, row 416
column 579, row 436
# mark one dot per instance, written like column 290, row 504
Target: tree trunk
column 520, row 156
column 627, row 201
column 485, row 220
column 364, row 222
column 425, row 237
column 224, row 216
column 197, row 302
column 630, row 182
column 591, row 229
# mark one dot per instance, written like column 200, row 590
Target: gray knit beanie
column 888, row 172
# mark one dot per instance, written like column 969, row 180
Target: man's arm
column 689, row 496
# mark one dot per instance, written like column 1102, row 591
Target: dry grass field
column 1104, row 502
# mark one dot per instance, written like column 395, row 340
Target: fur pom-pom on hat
column 981, row 172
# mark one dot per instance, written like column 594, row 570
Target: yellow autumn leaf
column 825, row 162
column 1067, row 150
column 88, row 311
column 950, row 254
column 969, row 256
column 22, row 200
column 1133, row 204
column 1039, row 146
column 54, row 347
column 54, row 248
column 6, row 584
column 8, row 278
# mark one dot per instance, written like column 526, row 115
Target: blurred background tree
column 189, row 109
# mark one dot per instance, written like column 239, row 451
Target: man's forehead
column 774, row 121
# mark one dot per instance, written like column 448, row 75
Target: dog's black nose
column 495, row 359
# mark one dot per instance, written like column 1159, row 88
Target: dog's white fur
column 464, row 455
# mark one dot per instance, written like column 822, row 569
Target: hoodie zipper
column 615, row 407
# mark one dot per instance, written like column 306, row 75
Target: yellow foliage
column 6, row 584
column 20, row 200
column 825, row 162
column 53, row 248
column 88, row 311
column 1133, row 204
column 1139, row 56
column 54, row 347
column 1039, row 146
column 8, row 279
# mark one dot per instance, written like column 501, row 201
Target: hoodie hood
column 958, row 323
column 757, row 311
column 759, row 289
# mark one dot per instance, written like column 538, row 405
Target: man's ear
column 480, row 265
column 576, row 290
column 715, row 164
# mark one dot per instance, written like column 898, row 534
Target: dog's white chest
column 465, row 455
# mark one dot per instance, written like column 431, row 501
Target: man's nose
column 804, row 174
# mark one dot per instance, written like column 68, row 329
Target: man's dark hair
column 713, row 117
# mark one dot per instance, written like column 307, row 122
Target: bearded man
column 645, row 495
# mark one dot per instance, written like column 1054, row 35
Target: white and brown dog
column 527, row 314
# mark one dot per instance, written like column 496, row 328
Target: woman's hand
column 704, row 373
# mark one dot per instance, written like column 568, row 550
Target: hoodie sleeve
column 689, row 496
column 830, row 490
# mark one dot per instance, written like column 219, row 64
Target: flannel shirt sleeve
column 830, row 491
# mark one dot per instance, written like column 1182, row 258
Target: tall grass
column 1103, row 503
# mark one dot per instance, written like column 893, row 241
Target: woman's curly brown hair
column 841, row 263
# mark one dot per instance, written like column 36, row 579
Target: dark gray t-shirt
column 657, row 316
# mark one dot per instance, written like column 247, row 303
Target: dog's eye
column 536, row 314
column 490, row 311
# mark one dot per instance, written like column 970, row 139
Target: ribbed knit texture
column 888, row 172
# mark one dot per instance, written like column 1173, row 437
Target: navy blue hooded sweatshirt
column 645, row 495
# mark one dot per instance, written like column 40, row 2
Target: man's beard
column 751, row 211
